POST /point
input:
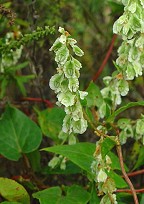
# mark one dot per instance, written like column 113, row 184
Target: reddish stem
column 47, row 102
column 106, row 58
column 132, row 189
column 129, row 191
column 136, row 173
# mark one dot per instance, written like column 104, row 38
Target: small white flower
column 61, row 30
column 114, row 198
column 83, row 94
column 79, row 126
column 99, row 157
column 108, row 160
column 132, row 7
column 73, row 84
column 67, row 99
column 54, row 162
column 72, row 139
column 102, row 176
column 62, row 39
column 72, row 41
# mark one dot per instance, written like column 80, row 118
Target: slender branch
column 47, row 102
column 105, row 59
column 133, row 191
column 135, row 173
column 129, row 191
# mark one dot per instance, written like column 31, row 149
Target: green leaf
column 107, row 145
column 123, row 108
column 122, row 197
column 74, row 195
column 115, row 162
column 20, row 85
column 34, row 159
column 81, row 153
column 51, row 121
column 107, row 109
column 94, row 196
column 119, row 181
column 13, row 191
column 94, row 97
column 17, row 67
column 140, row 160
column 21, row 80
column 89, row 114
column 116, row 7
column 21, row 22
column 18, row 134
column 142, row 199
column 48, row 196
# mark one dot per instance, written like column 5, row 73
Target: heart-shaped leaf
column 18, row 134
column 51, row 121
column 74, row 195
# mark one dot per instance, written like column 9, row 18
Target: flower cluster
column 65, row 83
column 131, row 27
column 115, row 87
column 130, row 61
column 131, row 57
column 100, row 168
column 129, row 64
column 133, row 129
column 131, row 22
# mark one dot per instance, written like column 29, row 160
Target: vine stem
column 47, row 102
column 135, row 173
column 106, row 58
column 133, row 191
column 129, row 191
